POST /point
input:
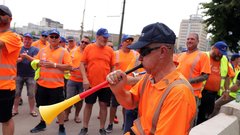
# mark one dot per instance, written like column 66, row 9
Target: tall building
column 194, row 24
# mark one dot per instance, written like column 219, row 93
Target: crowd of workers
column 169, row 95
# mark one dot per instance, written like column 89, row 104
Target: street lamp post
column 93, row 27
column 81, row 35
column 121, row 27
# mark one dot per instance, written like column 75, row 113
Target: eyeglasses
column 44, row 36
column 83, row 42
column 56, row 37
column 145, row 51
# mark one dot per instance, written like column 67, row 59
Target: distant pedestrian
column 42, row 42
column 10, row 45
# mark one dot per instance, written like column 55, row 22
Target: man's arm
column 117, row 80
column 84, row 76
column 198, row 79
column 133, row 80
column 49, row 64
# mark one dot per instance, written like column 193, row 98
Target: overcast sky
column 103, row 13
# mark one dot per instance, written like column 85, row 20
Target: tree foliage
column 223, row 21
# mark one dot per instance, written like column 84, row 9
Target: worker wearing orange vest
column 74, row 84
column 53, row 61
column 42, row 42
column 195, row 66
column 10, row 45
column 165, row 100
column 123, row 57
column 218, row 81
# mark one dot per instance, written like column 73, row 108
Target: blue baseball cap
column 154, row 33
column 28, row 35
column 54, row 31
column 235, row 56
column 103, row 32
column 70, row 38
column 222, row 47
column 62, row 39
column 125, row 37
column 44, row 33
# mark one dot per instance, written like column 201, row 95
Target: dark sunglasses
column 56, row 37
column 145, row 51
column 44, row 36
column 83, row 42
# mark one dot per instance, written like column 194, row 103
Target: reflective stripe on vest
column 234, row 94
column 6, row 66
column 4, row 78
column 196, row 60
column 159, row 107
column 76, row 76
column 52, row 79
column 223, row 71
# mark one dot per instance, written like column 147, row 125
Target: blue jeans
column 130, row 116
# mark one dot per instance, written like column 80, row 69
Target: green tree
column 223, row 21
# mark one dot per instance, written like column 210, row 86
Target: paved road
column 24, row 122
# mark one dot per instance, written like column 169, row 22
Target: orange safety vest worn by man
column 42, row 42
column 10, row 45
column 164, row 97
column 74, row 84
column 53, row 61
column 194, row 64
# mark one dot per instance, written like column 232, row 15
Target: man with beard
column 218, row 80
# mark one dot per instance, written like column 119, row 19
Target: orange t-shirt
column 8, row 57
column 214, row 79
column 178, row 107
column 192, row 65
column 39, row 44
column 76, row 56
column 99, row 61
column 123, row 59
column 53, row 56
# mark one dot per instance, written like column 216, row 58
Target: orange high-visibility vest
column 8, row 59
column 52, row 77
